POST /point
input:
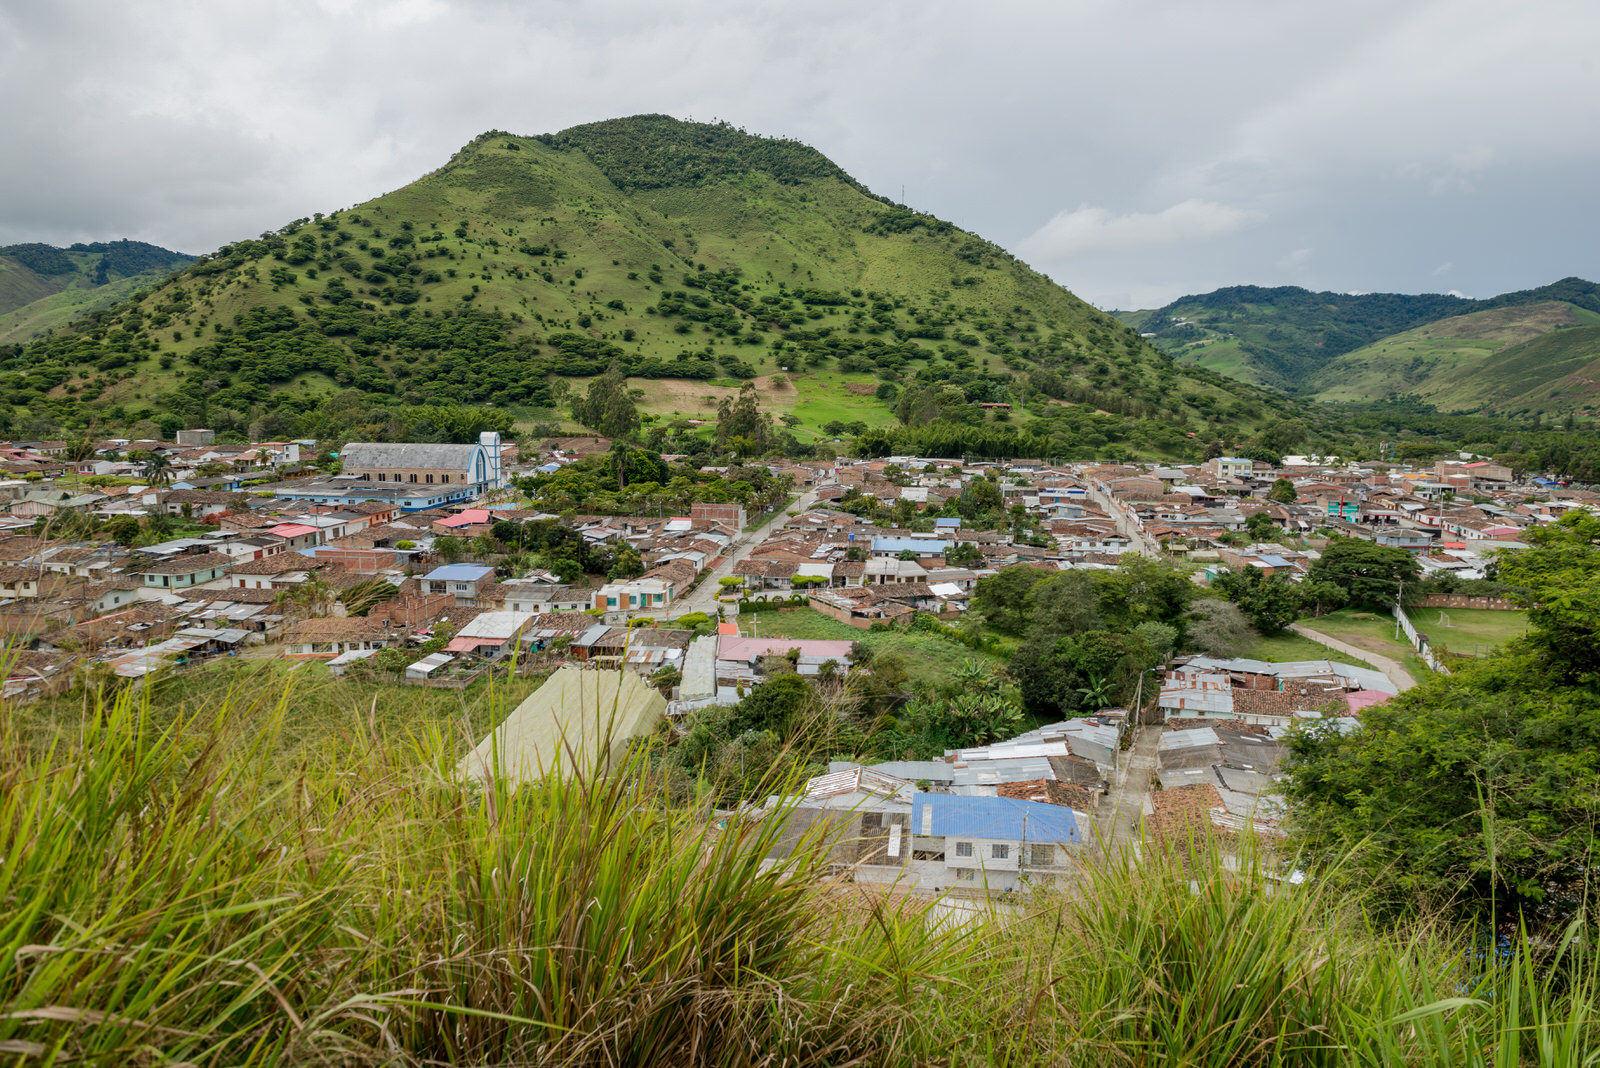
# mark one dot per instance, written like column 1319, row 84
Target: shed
column 424, row 668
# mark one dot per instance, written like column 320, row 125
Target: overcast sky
column 1134, row 151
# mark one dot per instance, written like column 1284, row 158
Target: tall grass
column 170, row 894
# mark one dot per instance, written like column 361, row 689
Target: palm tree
column 311, row 599
column 158, row 469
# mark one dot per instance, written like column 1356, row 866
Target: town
column 433, row 565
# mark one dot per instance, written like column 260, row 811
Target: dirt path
column 1395, row 671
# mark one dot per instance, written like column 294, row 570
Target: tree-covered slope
column 1363, row 347
column 693, row 254
column 43, row 287
column 1513, row 358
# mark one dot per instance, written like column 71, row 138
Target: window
column 382, row 477
column 1000, row 852
column 1042, row 855
column 445, row 479
column 430, row 478
column 963, row 849
column 413, row 476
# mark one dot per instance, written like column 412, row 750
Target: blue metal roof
column 947, row 522
column 1005, row 818
column 1274, row 560
column 923, row 545
column 459, row 573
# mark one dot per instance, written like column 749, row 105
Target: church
column 475, row 467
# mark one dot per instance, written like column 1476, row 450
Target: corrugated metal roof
column 1003, row 818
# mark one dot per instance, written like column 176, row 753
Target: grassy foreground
column 169, row 895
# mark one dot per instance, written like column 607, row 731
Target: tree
column 158, row 469
column 1218, row 628
column 1063, row 603
column 772, row 705
column 608, row 406
column 626, row 564
column 1143, row 588
column 1001, row 598
column 449, row 547
column 1282, row 492
column 1261, row 527
column 1270, row 602
column 124, row 530
column 964, row 554
column 741, row 425
column 1372, row 574
column 1559, row 580
column 1320, row 598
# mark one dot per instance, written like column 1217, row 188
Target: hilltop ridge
column 696, row 255
column 1497, row 355
column 43, row 287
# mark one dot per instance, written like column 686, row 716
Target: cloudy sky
column 1134, row 150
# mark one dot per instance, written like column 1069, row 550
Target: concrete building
column 410, row 463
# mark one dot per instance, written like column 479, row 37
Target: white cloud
column 1090, row 230
column 1387, row 137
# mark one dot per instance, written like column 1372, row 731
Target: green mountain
column 698, row 256
column 43, row 287
column 1526, row 352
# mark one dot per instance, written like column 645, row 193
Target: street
column 704, row 597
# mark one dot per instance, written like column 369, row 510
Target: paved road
column 704, row 597
column 1119, row 822
column 1392, row 668
column 1141, row 542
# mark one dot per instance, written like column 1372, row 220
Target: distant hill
column 696, row 255
column 1343, row 347
column 43, row 287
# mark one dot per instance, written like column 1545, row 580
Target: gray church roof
column 411, row 455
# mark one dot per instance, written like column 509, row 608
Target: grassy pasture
column 928, row 658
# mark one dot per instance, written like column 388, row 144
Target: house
column 491, row 635
column 732, row 515
column 921, row 548
column 656, row 588
column 1229, row 467
column 21, row 582
column 297, row 535
column 324, row 639
column 880, row 831
column 540, row 597
column 271, row 572
column 738, row 659
column 465, row 582
column 186, row 570
column 860, row 607
column 998, row 842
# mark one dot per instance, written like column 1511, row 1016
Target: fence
column 1419, row 641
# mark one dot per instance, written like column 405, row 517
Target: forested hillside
column 697, row 257
column 1365, row 347
column 43, row 287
